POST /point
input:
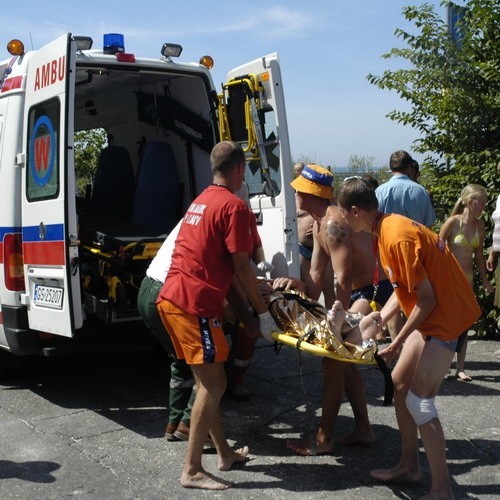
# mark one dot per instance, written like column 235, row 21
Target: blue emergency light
column 113, row 43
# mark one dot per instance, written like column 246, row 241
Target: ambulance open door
column 49, row 225
column 252, row 112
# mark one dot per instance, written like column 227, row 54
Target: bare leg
column 205, row 417
column 432, row 366
column 333, row 395
column 355, row 389
column 395, row 324
column 408, row 467
column 461, row 363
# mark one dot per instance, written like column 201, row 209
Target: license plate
column 48, row 296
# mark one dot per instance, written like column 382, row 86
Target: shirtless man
column 305, row 224
column 353, row 262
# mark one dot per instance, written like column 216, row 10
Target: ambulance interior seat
column 158, row 189
column 154, row 213
column 114, row 183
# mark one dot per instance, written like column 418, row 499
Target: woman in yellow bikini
column 464, row 233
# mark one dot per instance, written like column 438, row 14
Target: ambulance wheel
column 8, row 362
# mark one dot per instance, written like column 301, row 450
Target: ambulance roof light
column 171, row 50
column 15, row 47
column 83, row 42
column 207, row 61
column 113, row 43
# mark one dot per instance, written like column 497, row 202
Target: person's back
column 362, row 254
column 201, row 289
column 401, row 195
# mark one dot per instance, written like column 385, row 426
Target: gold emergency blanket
column 304, row 322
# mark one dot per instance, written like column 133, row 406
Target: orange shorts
column 197, row 340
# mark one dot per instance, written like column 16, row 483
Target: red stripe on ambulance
column 49, row 253
column 50, row 73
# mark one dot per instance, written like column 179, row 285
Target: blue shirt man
column 401, row 195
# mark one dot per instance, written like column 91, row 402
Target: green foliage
column 453, row 89
column 88, row 145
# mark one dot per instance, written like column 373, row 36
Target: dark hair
column 370, row 180
column 399, row 161
column 356, row 192
column 225, row 156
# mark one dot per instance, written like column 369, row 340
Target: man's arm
column 319, row 261
column 337, row 239
column 426, row 302
column 248, row 281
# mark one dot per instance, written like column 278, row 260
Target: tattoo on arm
column 335, row 232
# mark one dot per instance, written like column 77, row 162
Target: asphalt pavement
column 91, row 427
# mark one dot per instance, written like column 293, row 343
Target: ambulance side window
column 42, row 179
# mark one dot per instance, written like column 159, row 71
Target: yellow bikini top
column 460, row 240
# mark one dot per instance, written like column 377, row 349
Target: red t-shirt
column 409, row 253
column 214, row 226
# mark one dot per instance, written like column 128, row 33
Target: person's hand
column 388, row 354
column 289, row 284
column 265, row 267
column 490, row 262
column 268, row 325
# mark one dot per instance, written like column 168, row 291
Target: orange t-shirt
column 409, row 253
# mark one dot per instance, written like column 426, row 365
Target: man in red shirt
column 214, row 242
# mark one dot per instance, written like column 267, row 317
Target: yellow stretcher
column 306, row 329
column 290, row 339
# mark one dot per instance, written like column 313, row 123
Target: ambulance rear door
column 49, row 225
column 255, row 116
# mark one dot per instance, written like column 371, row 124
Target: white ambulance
column 71, row 263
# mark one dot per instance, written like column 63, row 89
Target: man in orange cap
column 356, row 269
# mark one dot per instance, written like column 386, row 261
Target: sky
column 326, row 50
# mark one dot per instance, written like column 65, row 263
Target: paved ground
column 92, row 428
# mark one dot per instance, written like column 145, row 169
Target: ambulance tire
column 8, row 362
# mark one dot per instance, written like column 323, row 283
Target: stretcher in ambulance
column 71, row 262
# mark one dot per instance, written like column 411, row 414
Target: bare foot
column 336, row 316
column 463, row 376
column 236, row 456
column 356, row 439
column 370, row 325
column 395, row 473
column 304, row 447
column 204, row 481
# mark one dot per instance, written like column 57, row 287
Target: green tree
column 453, row 88
column 454, row 92
column 88, row 145
column 360, row 164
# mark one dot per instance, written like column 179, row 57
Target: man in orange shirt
column 424, row 274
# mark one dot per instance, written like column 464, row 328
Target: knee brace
column 422, row 410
